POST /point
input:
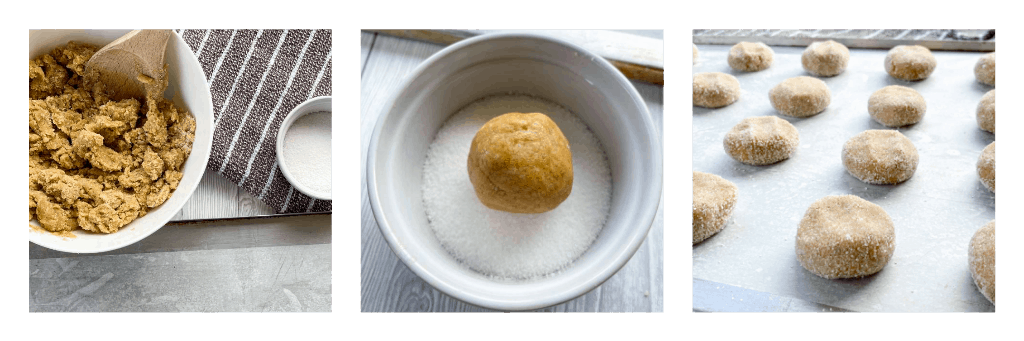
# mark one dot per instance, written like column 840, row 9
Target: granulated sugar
column 512, row 245
column 307, row 150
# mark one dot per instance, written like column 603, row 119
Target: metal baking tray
column 751, row 265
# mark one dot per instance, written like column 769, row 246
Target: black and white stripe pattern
column 256, row 77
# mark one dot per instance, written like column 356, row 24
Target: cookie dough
column 845, row 237
column 713, row 201
column 981, row 259
column 880, row 157
column 987, row 112
column 910, row 62
column 985, row 69
column 800, row 96
column 825, row 58
column 987, row 167
column 695, row 54
column 94, row 163
column 761, row 140
column 715, row 89
column 520, row 163
column 750, row 57
column 896, row 106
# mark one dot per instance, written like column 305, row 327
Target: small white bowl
column 564, row 73
column 187, row 88
column 312, row 105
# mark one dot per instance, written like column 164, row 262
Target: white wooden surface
column 388, row 285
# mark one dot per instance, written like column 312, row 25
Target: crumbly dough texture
column 896, row 106
column 987, row 112
column 750, row 57
column 761, row 140
column 695, row 54
column 987, row 167
column 94, row 163
column 845, row 237
column 715, row 89
column 713, row 201
column 521, row 163
column 825, row 58
column 880, row 157
column 985, row 69
column 800, row 96
column 910, row 62
column 981, row 259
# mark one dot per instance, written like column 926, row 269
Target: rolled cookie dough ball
column 800, row 96
column 825, row 58
column 987, row 167
column 910, row 62
column 985, row 69
column 713, row 201
column 715, row 89
column 880, row 157
column 520, row 163
column 981, row 257
column 761, row 140
column 750, row 56
column 987, row 112
column 845, row 237
column 896, row 106
column 695, row 54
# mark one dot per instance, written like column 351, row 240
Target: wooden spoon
column 128, row 63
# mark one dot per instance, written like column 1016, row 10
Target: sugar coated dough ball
column 910, row 62
column 985, row 69
column 981, row 257
column 715, row 89
column 896, row 106
column 987, row 112
column 845, row 237
column 520, row 163
column 880, row 157
column 987, row 167
column 825, row 58
column 713, row 201
column 800, row 96
column 761, row 140
column 750, row 56
column 695, row 54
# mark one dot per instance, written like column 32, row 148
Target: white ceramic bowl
column 187, row 88
column 559, row 71
column 316, row 104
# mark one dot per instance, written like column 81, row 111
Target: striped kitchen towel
column 256, row 78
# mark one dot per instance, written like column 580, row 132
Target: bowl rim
column 646, row 214
column 190, row 58
column 279, row 148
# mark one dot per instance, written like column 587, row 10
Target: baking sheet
column 936, row 212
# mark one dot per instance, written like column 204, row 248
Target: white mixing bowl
column 552, row 69
column 187, row 88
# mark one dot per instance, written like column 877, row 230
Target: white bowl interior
column 583, row 83
column 188, row 89
column 317, row 104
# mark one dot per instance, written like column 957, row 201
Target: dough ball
column 896, row 106
column 981, row 257
column 910, row 62
column 880, row 157
column 750, row 56
column 800, row 96
column 761, row 140
column 825, row 58
column 987, row 167
column 715, row 89
column 985, row 69
column 520, row 163
column 845, row 237
column 987, row 112
column 694, row 53
column 713, row 201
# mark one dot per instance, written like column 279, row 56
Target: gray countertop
column 936, row 212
